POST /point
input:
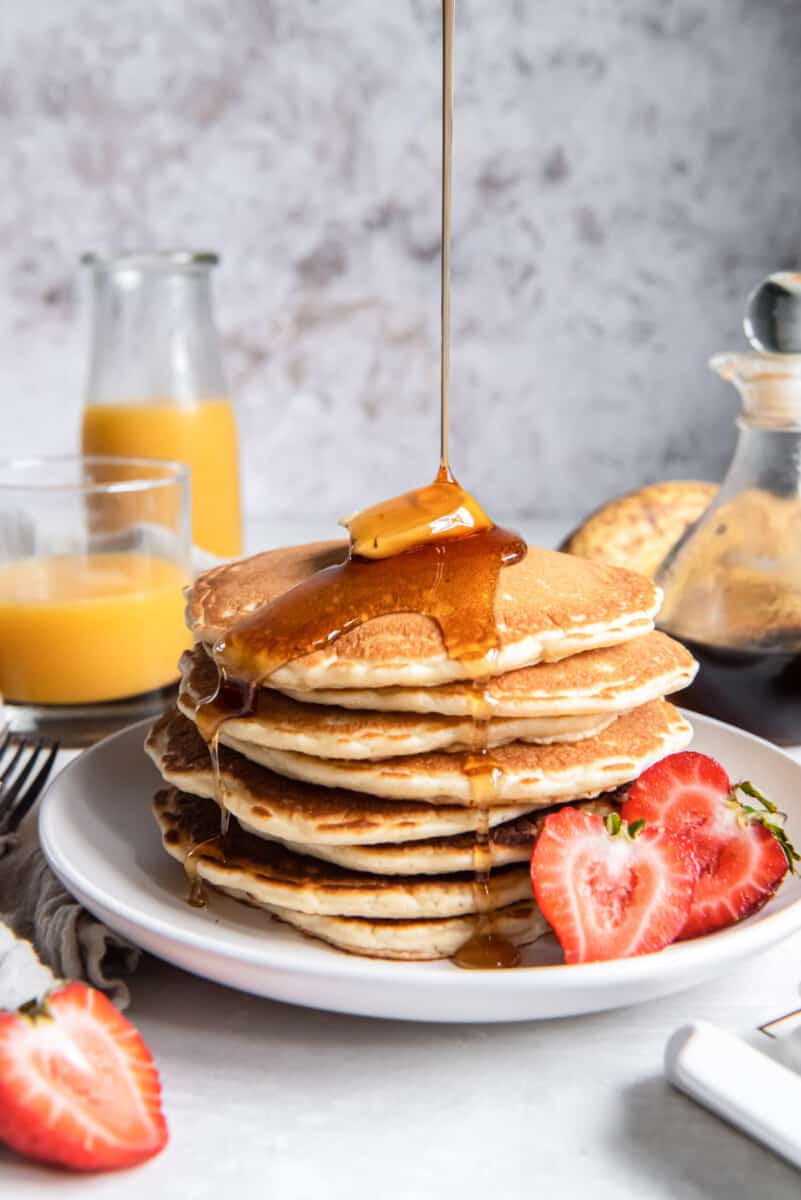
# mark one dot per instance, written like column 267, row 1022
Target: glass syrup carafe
column 733, row 583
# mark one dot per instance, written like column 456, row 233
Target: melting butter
column 436, row 513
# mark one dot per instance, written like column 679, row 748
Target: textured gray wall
column 625, row 171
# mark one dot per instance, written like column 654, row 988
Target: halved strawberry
column 608, row 889
column 742, row 851
column 77, row 1084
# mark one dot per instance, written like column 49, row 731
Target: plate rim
column 750, row 936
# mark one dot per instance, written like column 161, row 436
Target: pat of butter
column 435, row 513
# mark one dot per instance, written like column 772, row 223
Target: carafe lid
column 773, row 315
column 768, row 376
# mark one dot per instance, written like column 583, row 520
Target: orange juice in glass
column 155, row 385
column 94, row 556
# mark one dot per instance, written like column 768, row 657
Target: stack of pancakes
column 351, row 815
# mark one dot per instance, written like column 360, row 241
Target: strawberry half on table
column 609, row 889
column 78, row 1086
column 742, row 850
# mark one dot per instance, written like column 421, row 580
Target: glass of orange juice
column 94, row 555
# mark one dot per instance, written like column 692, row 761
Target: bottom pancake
column 268, row 874
column 417, row 941
column 184, row 818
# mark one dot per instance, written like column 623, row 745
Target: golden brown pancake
column 417, row 941
column 270, row 874
column 547, row 606
column 510, row 842
column 290, row 811
column 613, row 679
column 640, row 529
column 331, row 732
column 526, row 774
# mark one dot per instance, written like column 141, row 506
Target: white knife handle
column 750, row 1090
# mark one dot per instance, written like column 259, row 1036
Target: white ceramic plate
column 99, row 836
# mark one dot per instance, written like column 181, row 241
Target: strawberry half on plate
column 78, row 1086
column 610, row 889
column 742, row 850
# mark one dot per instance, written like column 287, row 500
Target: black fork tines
column 17, row 794
column 15, row 757
column 4, row 741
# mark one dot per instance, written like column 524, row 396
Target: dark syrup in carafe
column 757, row 688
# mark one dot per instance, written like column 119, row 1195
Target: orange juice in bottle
column 156, row 387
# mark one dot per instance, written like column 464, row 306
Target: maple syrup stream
column 451, row 581
column 445, row 251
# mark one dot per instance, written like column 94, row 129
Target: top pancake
column 547, row 606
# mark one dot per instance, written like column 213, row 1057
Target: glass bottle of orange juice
column 155, row 386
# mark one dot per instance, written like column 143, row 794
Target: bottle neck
column 153, row 338
column 769, row 386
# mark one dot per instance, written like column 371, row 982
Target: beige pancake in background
column 547, row 606
column 270, row 874
column 328, row 732
column 640, row 529
column 610, row 680
column 527, row 774
column 288, row 811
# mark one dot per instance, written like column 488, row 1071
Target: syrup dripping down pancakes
column 357, row 822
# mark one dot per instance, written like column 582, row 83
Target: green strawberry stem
column 616, row 827
column 752, row 790
column 768, row 816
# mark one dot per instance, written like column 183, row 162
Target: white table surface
column 267, row 1100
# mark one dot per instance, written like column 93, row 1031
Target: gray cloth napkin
column 34, row 906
